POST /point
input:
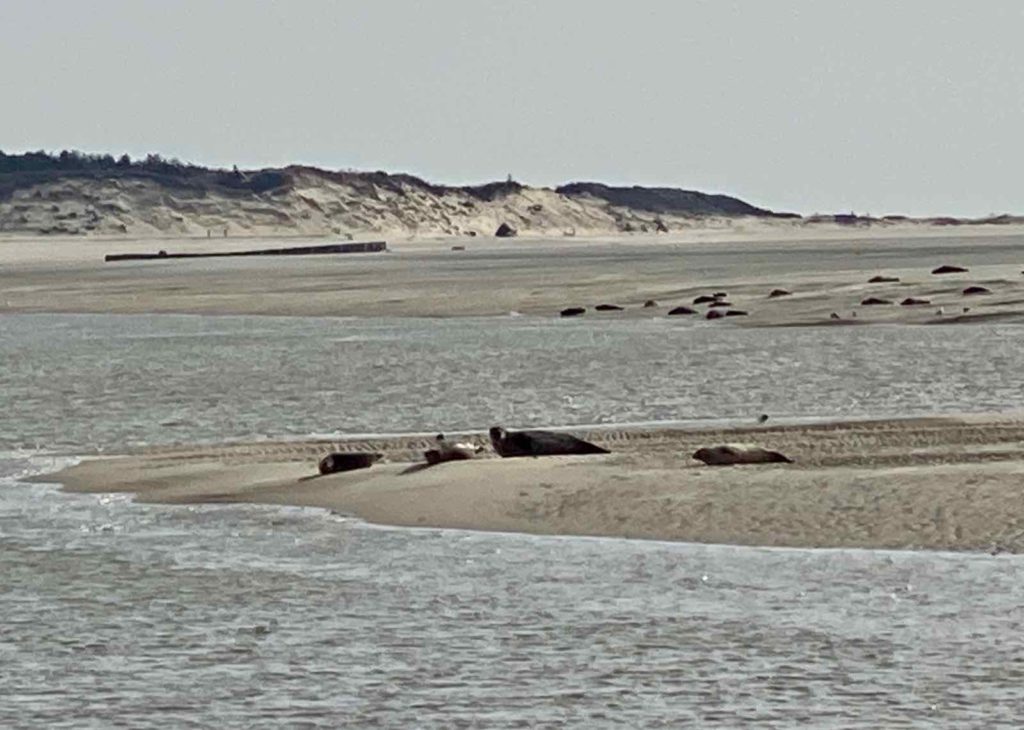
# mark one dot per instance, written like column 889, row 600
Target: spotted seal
column 448, row 451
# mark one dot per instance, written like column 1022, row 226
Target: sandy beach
column 942, row 484
column 825, row 269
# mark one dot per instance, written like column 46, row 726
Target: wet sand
column 943, row 484
column 825, row 275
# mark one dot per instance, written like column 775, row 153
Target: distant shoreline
column 828, row 278
column 74, row 193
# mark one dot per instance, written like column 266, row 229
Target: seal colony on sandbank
column 937, row 483
column 718, row 300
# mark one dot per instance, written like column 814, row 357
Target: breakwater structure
column 333, row 248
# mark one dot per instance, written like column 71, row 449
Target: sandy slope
column 936, row 483
column 317, row 203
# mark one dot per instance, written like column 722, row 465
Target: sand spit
column 537, row 277
column 944, row 484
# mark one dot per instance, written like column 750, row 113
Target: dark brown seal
column 539, row 443
column 727, row 454
column 333, row 463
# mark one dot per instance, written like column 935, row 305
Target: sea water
column 115, row 613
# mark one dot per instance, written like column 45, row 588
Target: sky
column 871, row 106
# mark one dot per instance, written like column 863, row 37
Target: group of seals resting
column 506, row 444
column 514, row 443
column 509, row 444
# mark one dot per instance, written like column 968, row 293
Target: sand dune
column 934, row 483
column 140, row 201
column 90, row 196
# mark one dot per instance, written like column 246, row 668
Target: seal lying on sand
column 539, row 443
column 738, row 454
column 347, row 462
column 447, row 451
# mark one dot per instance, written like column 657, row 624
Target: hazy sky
column 817, row 105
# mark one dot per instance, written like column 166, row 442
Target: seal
column 776, row 293
column 976, row 290
column 448, row 451
column 948, row 269
column 539, row 443
column 726, row 454
column 608, row 308
column 680, row 310
column 333, row 463
column 873, row 301
column 573, row 311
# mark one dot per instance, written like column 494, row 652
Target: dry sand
column 827, row 273
column 952, row 484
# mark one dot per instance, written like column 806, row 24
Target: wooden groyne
column 333, row 248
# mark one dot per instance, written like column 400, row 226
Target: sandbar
column 937, row 483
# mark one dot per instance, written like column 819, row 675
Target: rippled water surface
column 106, row 381
column 122, row 614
